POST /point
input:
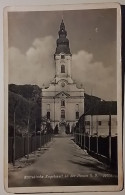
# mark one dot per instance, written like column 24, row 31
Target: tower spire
column 62, row 41
column 62, row 16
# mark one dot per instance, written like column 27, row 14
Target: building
column 99, row 124
column 100, row 117
column 62, row 101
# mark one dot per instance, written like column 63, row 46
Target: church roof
column 62, row 42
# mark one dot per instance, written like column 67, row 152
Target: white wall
column 103, row 129
column 70, row 108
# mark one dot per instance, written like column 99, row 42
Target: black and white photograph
column 63, row 98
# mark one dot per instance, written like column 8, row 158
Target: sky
column 92, row 36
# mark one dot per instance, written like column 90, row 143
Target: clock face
column 63, row 84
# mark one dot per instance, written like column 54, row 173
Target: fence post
column 84, row 130
column 79, row 134
column 84, row 140
column 81, row 139
column 31, row 140
column 28, row 139
column 40, row 139
column 97, row 150
column 43, row 140
column 14, row 141
column 24, row 146
column 35, row 139
column 89, row 135
column 110, row 137
column 97, row 145
column 46, row 139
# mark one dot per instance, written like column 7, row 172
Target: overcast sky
column 92, row 36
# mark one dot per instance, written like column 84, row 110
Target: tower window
column 48, row 115
column 63, row 103
column 63, row 114
column 77, row 115
column 62, row 57
column 77, row 107
column 48, row 106
column 62, row 68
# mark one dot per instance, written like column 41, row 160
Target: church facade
column 62, row 102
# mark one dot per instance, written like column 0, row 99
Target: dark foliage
column 56, row 130
column 30, row 92
column 97, row 106
column 24, row 100
column 49, row 129
column 67, row 129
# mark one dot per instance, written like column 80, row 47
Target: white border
column 66, row 188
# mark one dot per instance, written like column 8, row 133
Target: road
column 63, row 163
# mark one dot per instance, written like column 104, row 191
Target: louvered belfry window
column 62, row 68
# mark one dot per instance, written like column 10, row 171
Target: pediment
column 63, row 80
column 62, row 94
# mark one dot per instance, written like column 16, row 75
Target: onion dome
column 62, row 42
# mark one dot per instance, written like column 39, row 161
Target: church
column 62, row 102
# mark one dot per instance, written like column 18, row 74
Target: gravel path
column 62, row 163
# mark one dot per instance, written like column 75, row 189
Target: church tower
column 63, row 56
column 62, row 101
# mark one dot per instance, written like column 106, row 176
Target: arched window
column 63, row 103
column 63, row 114
column 62, row 68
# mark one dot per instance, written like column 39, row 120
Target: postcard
column 63, row 94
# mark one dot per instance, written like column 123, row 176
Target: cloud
column 34, row 67
column 37, row 66
column 94, row 75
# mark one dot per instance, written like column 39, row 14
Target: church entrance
column 62, row 128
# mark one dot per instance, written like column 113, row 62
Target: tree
column 56, row 130
column 67, row 129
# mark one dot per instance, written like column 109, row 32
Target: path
column 63, row 163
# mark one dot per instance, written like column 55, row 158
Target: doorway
column 62, row 129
